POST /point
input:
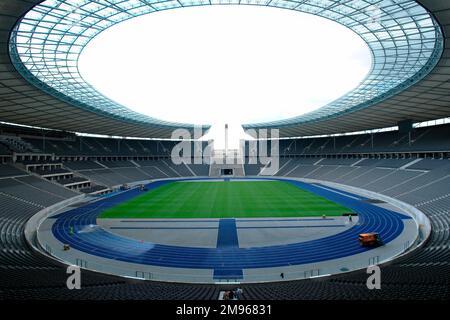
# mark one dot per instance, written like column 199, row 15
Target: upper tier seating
column 200, row 170
column 4, row 150
column 7, row 170
column 117, row 164
column 82, row 165
column 426, row 139
column 72, row 180
column 45, row 172
column 35, row 190
column 252, row 169
column 93, row 189
column 340, row 161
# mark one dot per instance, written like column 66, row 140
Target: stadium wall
column 34, row 222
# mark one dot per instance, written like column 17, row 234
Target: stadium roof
column 409, row 77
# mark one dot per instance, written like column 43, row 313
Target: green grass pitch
column 225, row 199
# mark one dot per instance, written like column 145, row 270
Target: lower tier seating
column 422, row 274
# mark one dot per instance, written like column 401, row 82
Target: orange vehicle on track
column 371, row 239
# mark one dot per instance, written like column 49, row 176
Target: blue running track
column 227, row 260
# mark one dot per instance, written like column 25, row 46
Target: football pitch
column 225, row 199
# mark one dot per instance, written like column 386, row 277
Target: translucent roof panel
column 405, row 40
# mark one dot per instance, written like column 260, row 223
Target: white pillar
column 226, row 140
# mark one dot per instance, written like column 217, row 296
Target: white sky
column 225, row 64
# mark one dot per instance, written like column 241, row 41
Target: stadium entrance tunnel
column 256, row 246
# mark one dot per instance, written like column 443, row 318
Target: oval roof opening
column 225, row 64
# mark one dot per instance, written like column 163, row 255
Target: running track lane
column 104, row 244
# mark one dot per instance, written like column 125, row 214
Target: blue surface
column 227, row 236
column 240, row 220
column 228, row 273
column 225, row 260
column 162, row 228
column 294, row 227
column 251, row 227
column 227, row 243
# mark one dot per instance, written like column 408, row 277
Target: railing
column 374, row 261
column 144, row 275
column 312, row 273
column 155, row 273
column 81, row 263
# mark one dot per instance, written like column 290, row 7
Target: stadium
column 101, row 202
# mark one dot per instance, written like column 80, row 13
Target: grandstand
column 52, row 173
